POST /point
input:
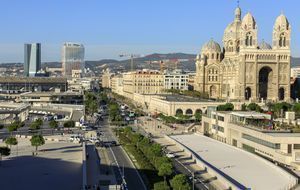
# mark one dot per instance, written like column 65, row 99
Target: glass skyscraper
column 32, row 59
column 72, row 58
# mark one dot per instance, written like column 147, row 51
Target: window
column 220, row 118
column 261, row 142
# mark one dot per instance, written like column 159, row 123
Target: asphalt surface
column 93, row 165
column 132, row 178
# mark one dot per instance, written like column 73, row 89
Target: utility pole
column 193, row 175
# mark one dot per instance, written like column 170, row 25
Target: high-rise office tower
column 72, row 58
column 32, row 59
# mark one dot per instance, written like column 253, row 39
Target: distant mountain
column 140, row 63
column 295, row 62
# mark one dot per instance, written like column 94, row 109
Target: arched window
column 282, row 40
column 249, row 39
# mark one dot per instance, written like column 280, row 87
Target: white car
column 94, row 140
column 170, row 155
column 75, row 138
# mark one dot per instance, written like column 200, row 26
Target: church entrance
column 265, row 77
column 247, row 93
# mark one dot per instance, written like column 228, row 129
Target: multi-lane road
column 117, row 154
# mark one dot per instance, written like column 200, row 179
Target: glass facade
column 72, row 58
column 32, row 59
column 261, row 142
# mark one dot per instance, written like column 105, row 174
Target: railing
column 209, row 167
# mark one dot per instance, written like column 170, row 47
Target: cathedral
column 245, row 69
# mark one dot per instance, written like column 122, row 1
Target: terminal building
column 254, row 132
column 75, row 98
column 12, row 86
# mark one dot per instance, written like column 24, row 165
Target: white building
column 72, row 58
column 295, row 72
column 254, row 132
column 176, row 80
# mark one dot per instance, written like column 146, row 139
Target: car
column 94, row 140
column 48, row 117
column 75, row 138
column 86, row 128
column 170, row 155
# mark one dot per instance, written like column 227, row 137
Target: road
column 131, row 175
column 93, row 165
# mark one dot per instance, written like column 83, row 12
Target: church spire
column 237, row 12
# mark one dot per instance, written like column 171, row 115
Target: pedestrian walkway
column 187, row 162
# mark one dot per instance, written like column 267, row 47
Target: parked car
column 48, row 117
column 94, row 140
column 170, row 155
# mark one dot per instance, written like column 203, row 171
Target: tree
column 36, row 141
column 11, row 141
column 254, row 107
column 165, row 170
column 69, row 124
column 39, row 122
column 34, row 126
column 244, row 107
column 53, row 124
column 4, row 151
column 161, row 186
column 198, row 116
column 225, row 107
column 180, row 182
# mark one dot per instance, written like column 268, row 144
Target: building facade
column 252, row 131
column 72, row 58
column 117, row 84
column 143, row 82
column 32, row 59
column 245, row 69
column 176, row 80
column 106, row 78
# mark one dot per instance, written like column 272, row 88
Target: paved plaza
column 57, row 166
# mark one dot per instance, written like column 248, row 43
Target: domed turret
column 281, row 33
column 248, row 22
column 265, row 46
column 281, row 23
column 211, row 46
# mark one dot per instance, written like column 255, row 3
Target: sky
column 108, row 28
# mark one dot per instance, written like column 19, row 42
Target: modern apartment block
column 32, row 59
column 176, row 80
column 72, row 58
column 254, row 132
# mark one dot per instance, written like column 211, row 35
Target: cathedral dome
column 211, row 46
column 248, row 21
column 281, row 21
column 264, row 45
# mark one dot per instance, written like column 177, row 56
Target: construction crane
column 131, row 56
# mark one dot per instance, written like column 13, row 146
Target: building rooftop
column 33, row 80
column 51, row 93
column 246, row 168
column 181, row 98
column 251, row 114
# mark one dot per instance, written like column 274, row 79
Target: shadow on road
column 35, row 173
